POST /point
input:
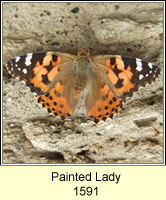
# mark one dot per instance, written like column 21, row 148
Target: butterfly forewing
column 125, row 75
column 40, row 71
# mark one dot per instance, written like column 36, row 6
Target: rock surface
column 135, row 135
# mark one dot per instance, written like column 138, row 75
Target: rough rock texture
column 135, row 135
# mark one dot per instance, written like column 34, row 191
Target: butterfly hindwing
column 56, row 101
column 101, row 103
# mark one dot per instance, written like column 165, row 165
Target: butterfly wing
column 100, row 101
column 59, row 101
column 114, row 78
column 48, row 76
column 40, row 71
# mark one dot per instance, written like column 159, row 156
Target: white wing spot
column 35, row 94
column 147, row 75
column 45, row 109
column 141, row 77
column 11, row 63
column 50, row 52
column 17, row 78
column 29, row 55
column 40, row 105
column 150, row 71
column 17, row 59
column 51, row 114
column 23, row 82
column 156, row 70
column 139, row 64
column 150, row 65
column 28, row 59
column 19, row 69
column 16, row 65
column 139, row 68
column 24, row 71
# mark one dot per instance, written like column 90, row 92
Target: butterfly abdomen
column 79, row 83
column 80, row 76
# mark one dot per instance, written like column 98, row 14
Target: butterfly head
column 82, row 52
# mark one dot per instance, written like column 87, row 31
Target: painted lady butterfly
column 58, row 80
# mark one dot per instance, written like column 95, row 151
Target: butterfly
column 59, row 79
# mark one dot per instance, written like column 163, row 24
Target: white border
column 90, row 164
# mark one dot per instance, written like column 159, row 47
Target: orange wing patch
column 120, row 75
column 106, row 106
column 45, row 72
column 54, row 102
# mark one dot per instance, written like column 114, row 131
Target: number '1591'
column 86, row 191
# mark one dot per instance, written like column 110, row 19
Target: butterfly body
column 80, row 76
column 58, row 79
